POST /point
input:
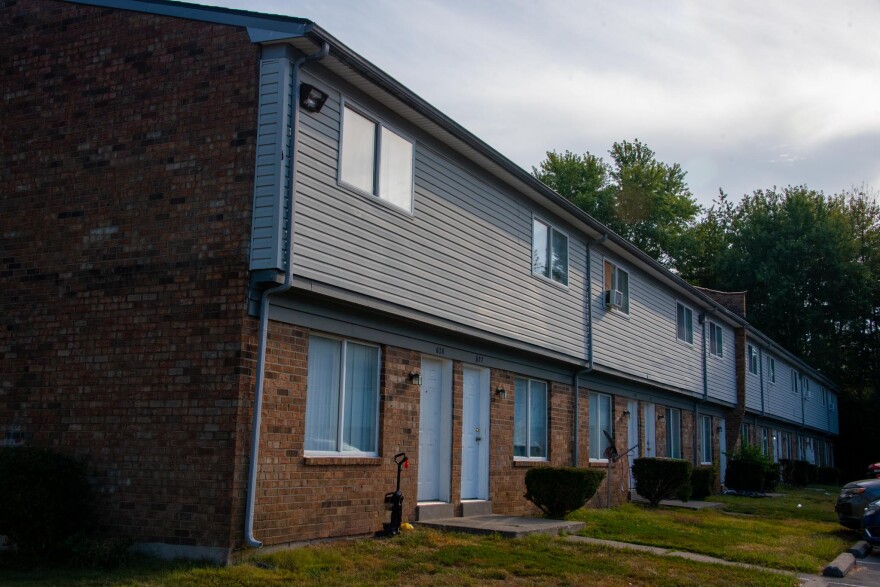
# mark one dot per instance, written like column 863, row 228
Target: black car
column 853, row 499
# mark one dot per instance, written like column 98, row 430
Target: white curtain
column 361, row 386
column 538, row 419
column 322, row 403
column 520, row 418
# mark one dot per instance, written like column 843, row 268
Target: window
column 753, row 360
column 617, row 283
column 376, row 160
column 705, row 440
column 685, row 323
column 601, row 421
column 549, row 252
column 771, row 369
column 832, row 402
column 805, row 384
column 716, row 340
column 673, row 433
column 744, row 434
column 765, row 446
column 530, row 419
column 342, row 405
column 794, row 380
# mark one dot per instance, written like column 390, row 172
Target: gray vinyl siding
column 269, row 233
column 463, row 255
column 815, row 414
column 721, row 371
column 832, row 415
column 779, row 401
column 644, row 343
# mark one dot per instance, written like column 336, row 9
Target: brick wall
column 127, row 143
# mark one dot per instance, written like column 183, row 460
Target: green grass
column 429, row 558
column 770, row 532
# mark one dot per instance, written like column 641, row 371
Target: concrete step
column 434, row 510
column 475, row 507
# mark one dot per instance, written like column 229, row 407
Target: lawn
column 426, row 557
column 797, row 532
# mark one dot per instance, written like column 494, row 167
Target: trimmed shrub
column 748, row 469
column 702, row 482
column 660, row 478
column 772, row 476
column 828, row 475
column 795, row 472
column 44, row 500
column 558, row 491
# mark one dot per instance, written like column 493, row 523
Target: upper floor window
column 805, row 385
column 342, row 397
column 771, row 369
column 716, row 340
column 549, row 252
column 832, row 402
column 601, row 421
column 685, row 323
column 616, row 287
column 530, row 419
column 824, row 397
column 753, row 360
column 376, row 160
column 794, row 381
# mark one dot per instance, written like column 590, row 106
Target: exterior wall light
column 501, row 392
column 415, row 377
column 311, row 98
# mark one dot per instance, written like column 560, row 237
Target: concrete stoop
column 506, row 526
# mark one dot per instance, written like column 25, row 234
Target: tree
column 638, row 197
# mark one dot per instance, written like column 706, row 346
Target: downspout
column 577, row 376
column 264, row 302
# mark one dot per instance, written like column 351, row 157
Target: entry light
column 415, row 377
column 501, row 392
column 311, row 98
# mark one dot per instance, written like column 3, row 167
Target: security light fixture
column 311, row 98
column 415, row 377
column 501, row 392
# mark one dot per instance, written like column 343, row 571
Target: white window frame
column 529, row 421
column 551, row 229
column 716, row 340
column 794, row 382
column 688, row 315
column 615, row 281
column 771, row 369
column 808, row 395
column 599, row 397
column 832, row 402
column 341, row 404
column 673, row 443
column 752, row 358
column 765, row 441
column 706, row 448
column 375, row 194
column 824, row 397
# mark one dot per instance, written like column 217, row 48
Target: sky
column 744, row 95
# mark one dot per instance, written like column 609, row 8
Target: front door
column 475, row 434
column 650, row 431
column 435, row 409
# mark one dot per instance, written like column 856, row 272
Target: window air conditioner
column 614, row 299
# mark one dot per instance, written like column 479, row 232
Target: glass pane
column 605, row 422
column 540, row 238
column 609, row 276
column 322, row 401
column 689, row 325
column 560, row 257
column 520, row 418
column 538, row 419
column 623, row 286
column 358, row 150
column 361, row 391
column 395, row 170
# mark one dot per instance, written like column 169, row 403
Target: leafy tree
column 642, row 199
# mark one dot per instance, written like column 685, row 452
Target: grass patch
column 429, row 558
column 770, row 532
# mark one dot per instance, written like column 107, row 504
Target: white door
column 632, row 407
column 434, row 431
column 722, row 446
column 475, row 434
column 650, row 431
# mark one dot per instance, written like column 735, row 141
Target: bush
column 828, row 475
column 659, row 478
column 44, row 500
column 702, row 482
column 748, row 469
column 558, row 491
column 88, row 551
column 772, row 476
column 796, row 472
